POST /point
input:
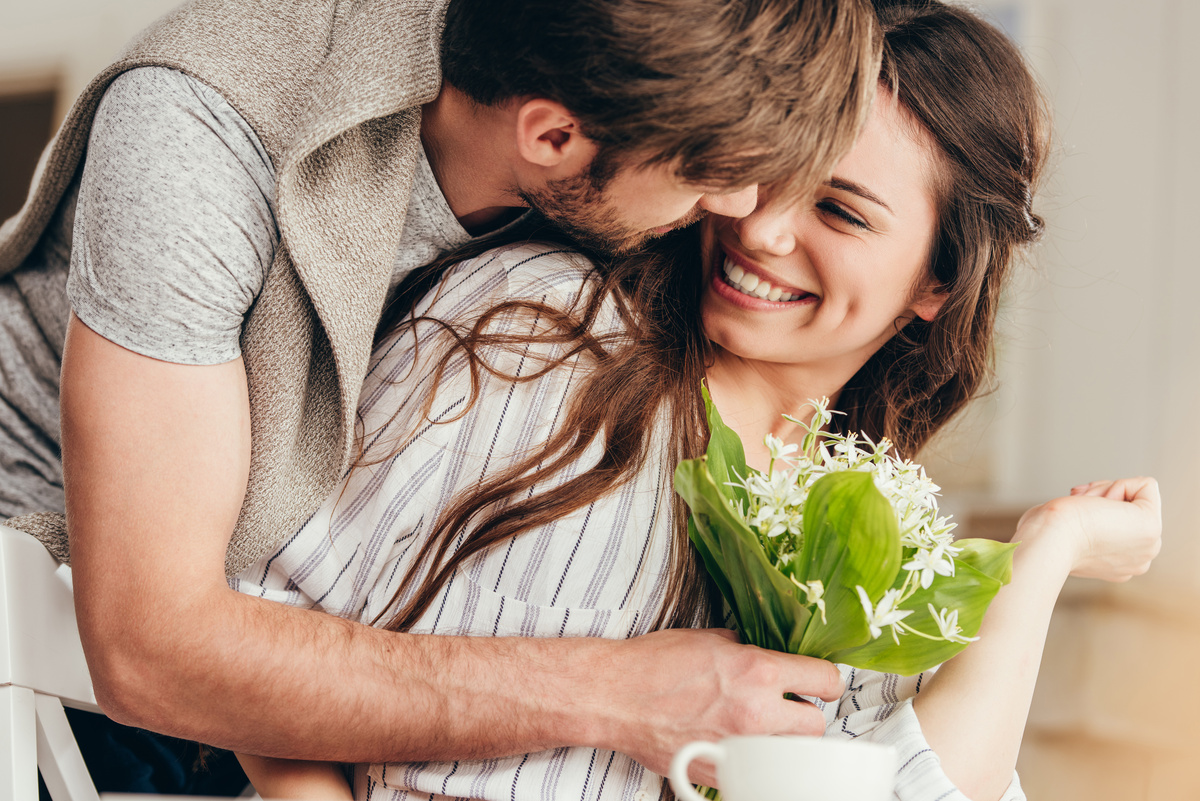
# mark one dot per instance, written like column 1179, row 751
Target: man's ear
column 548, row 136
column 929, row 304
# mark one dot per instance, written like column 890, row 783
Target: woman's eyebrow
column 857, row 189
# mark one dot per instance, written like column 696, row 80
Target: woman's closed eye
column 842, row 214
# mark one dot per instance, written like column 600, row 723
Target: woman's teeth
column 751, row 284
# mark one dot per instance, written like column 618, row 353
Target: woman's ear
column 928, row 304
column 548, row 136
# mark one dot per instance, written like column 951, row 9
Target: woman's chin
column 733, row 340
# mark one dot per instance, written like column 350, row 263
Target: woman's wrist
column 1045, row 550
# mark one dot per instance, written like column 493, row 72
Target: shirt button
column 642, row 795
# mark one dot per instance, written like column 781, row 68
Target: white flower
column 885, row 614
column 773, row 522
column 947, row 623
column 777, row 449
column 850, row 453
column 822, row 414
column 814, row 592
column 930, row 562
column 881, row 448
column 775, row 503
column 779, row 490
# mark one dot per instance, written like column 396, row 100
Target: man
column 258, row 175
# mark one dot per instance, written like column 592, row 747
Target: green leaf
column 762, row 599
column 847, row 622
column 851, row 538
column 846, row 516
column 726, row 456
column 989, row 557
column 705, row 544
column 968, row 590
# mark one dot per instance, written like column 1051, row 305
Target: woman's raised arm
column 974, row 709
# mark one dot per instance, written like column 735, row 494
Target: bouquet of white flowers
column 837, row 542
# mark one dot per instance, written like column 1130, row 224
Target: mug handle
column 679, row 767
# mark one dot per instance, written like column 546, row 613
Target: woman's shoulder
column 537, row 272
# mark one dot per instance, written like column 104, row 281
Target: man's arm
column 156, row 457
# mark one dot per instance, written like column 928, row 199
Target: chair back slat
column 39, row 637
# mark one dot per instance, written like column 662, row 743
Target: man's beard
column 579, row 208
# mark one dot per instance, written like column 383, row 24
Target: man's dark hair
column 733, row 91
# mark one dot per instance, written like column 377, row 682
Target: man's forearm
column 263, row 678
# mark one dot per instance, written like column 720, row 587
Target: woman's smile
column 749, row 286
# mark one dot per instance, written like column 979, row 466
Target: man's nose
column 731, row 204
column 770, row 228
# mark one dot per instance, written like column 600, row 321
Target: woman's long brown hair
column 965, row 82
column 648, row 372
column 968, row 86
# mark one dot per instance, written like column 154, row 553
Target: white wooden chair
column 41, row 669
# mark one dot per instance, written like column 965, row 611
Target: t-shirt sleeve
column 175, row 225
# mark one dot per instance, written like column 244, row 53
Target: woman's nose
column 731, row 204
column 770, row 228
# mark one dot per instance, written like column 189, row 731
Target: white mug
column 779, row 768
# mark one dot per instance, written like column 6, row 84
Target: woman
column 516, row 466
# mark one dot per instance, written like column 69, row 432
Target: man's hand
column 672, row 687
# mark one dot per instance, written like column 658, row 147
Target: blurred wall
column 1100, row 358
column 1100, row 362
column 63, row 43
column 1101, row 371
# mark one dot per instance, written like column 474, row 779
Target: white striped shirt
column 598, row 572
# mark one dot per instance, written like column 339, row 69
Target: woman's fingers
column 1144, row 492
column 1138, row 489
column 1101, row 489
column 1124, row 526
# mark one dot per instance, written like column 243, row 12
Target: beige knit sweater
column 333, row 88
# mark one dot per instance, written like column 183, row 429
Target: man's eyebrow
column 857, row 189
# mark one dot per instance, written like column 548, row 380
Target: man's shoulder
column 153, row 86
column 148, row 103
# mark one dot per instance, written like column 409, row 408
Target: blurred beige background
column 1100, row 359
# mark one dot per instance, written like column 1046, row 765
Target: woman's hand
column 1109, row 530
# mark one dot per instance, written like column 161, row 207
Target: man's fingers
column 702, row 772
column 805, row 718
column 812, row 677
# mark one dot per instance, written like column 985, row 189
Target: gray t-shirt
column 174, row 232
column 175, row 226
